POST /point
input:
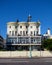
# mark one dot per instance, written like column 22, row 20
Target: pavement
column 26, row 61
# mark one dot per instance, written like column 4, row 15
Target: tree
column 47, row 44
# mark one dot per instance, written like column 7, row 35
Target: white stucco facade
column 23, row 34
column 31, row 27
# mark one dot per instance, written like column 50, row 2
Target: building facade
column 48, row 34
column 1, row 42
column 23, row 35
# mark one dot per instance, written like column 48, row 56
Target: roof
column 23, row 22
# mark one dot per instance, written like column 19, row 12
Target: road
column 25, row 61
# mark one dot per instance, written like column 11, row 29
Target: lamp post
column 30, row 48
column 40, row 51
column 40, row 47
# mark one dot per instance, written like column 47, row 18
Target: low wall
column 17, row 54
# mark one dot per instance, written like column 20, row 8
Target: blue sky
column 11, row 10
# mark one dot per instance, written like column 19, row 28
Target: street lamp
column 40, row 47
column 30, row 48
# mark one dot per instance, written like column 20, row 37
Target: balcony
column 25, row 42
column 24, row 36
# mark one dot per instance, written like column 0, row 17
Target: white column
column 35, row 32
column 39, row 30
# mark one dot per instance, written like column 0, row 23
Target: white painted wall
column 32, row 29
column 19, row 54
column 29, row 29
column 22, row 29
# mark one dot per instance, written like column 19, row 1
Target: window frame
column 20, row 26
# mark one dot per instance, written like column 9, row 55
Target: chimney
column 48, row 31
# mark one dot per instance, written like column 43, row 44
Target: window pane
column 26, row 32
column 31, row 26
column 37, row 32
column 12, row 33
column 31, row 32
column 20, row 32
column 20, row 26
column 15, row 32
column 9, row 26
column 34, row 33
column 26, row 26
column 15, row 26
column 23, row 32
